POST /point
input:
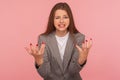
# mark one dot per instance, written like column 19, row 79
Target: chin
column 62, row 30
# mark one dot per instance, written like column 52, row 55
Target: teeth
column 61, row 25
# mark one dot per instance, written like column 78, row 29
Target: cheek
column 68, row 22
column 56, row 22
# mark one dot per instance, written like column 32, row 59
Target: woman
column 62, row 50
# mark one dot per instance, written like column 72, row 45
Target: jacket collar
column 52, row 43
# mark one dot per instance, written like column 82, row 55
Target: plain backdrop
column 21, row 21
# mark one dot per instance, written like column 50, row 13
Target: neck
column 61, row 33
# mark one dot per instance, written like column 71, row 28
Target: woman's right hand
column 36, row 52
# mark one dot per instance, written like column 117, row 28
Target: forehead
column 60, row 12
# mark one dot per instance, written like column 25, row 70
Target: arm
column 83, row 50
column 75, row 67
column 44, row 68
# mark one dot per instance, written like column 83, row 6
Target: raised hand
column 36, row 52
column 84, row 50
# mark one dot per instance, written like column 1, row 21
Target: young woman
column 62, row 50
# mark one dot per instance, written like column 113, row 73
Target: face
column 61, row 20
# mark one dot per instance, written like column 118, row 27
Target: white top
column 61, row 41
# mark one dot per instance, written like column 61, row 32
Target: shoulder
column 79, row 38
column 79, row 35
column 44, row 37
column 41, row 37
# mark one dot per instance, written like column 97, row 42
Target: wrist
column 82, row 64
column 39, row 61
column 81, row 61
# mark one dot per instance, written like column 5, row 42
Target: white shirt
column 61, row 42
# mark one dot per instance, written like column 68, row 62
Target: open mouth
column 61, row 25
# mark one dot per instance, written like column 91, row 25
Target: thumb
column 42, row 48
column 79, row 49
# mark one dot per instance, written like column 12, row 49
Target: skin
column 84, row 50
column 61, row 23
column 36, row 52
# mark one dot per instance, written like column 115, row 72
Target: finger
column 28, row 50
column 89, row 43
column 41, row 51
column 37, row 48
column 86, row 43
column 33, row 49
column 79, row 49
column 31, row 46
column 83, row 45
column 42, row 47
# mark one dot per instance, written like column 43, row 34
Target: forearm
column 39, row 61
column 74, row 66
column 43, row 69
column 43, row 65
column 82, row 61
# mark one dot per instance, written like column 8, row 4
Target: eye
column 65, row 17
column 57, row 17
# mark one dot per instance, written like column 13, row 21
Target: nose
column 61, row 20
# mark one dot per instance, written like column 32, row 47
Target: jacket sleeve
column 75, row 67
column 44, row 69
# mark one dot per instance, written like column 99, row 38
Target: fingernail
column 90, row 38
column 86, row 40
column 43, row 42
column 36, row 44
column 30, row 44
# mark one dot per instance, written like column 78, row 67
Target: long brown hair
column 50, row 26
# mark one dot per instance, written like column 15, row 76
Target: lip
column 61, row 25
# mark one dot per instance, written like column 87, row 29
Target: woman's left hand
column 84, row 50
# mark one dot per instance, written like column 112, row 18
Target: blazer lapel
column 68, row 52
column 52, row 43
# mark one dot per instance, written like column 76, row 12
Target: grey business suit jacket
column 53, row 67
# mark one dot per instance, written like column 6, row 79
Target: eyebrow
column 63, row 15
